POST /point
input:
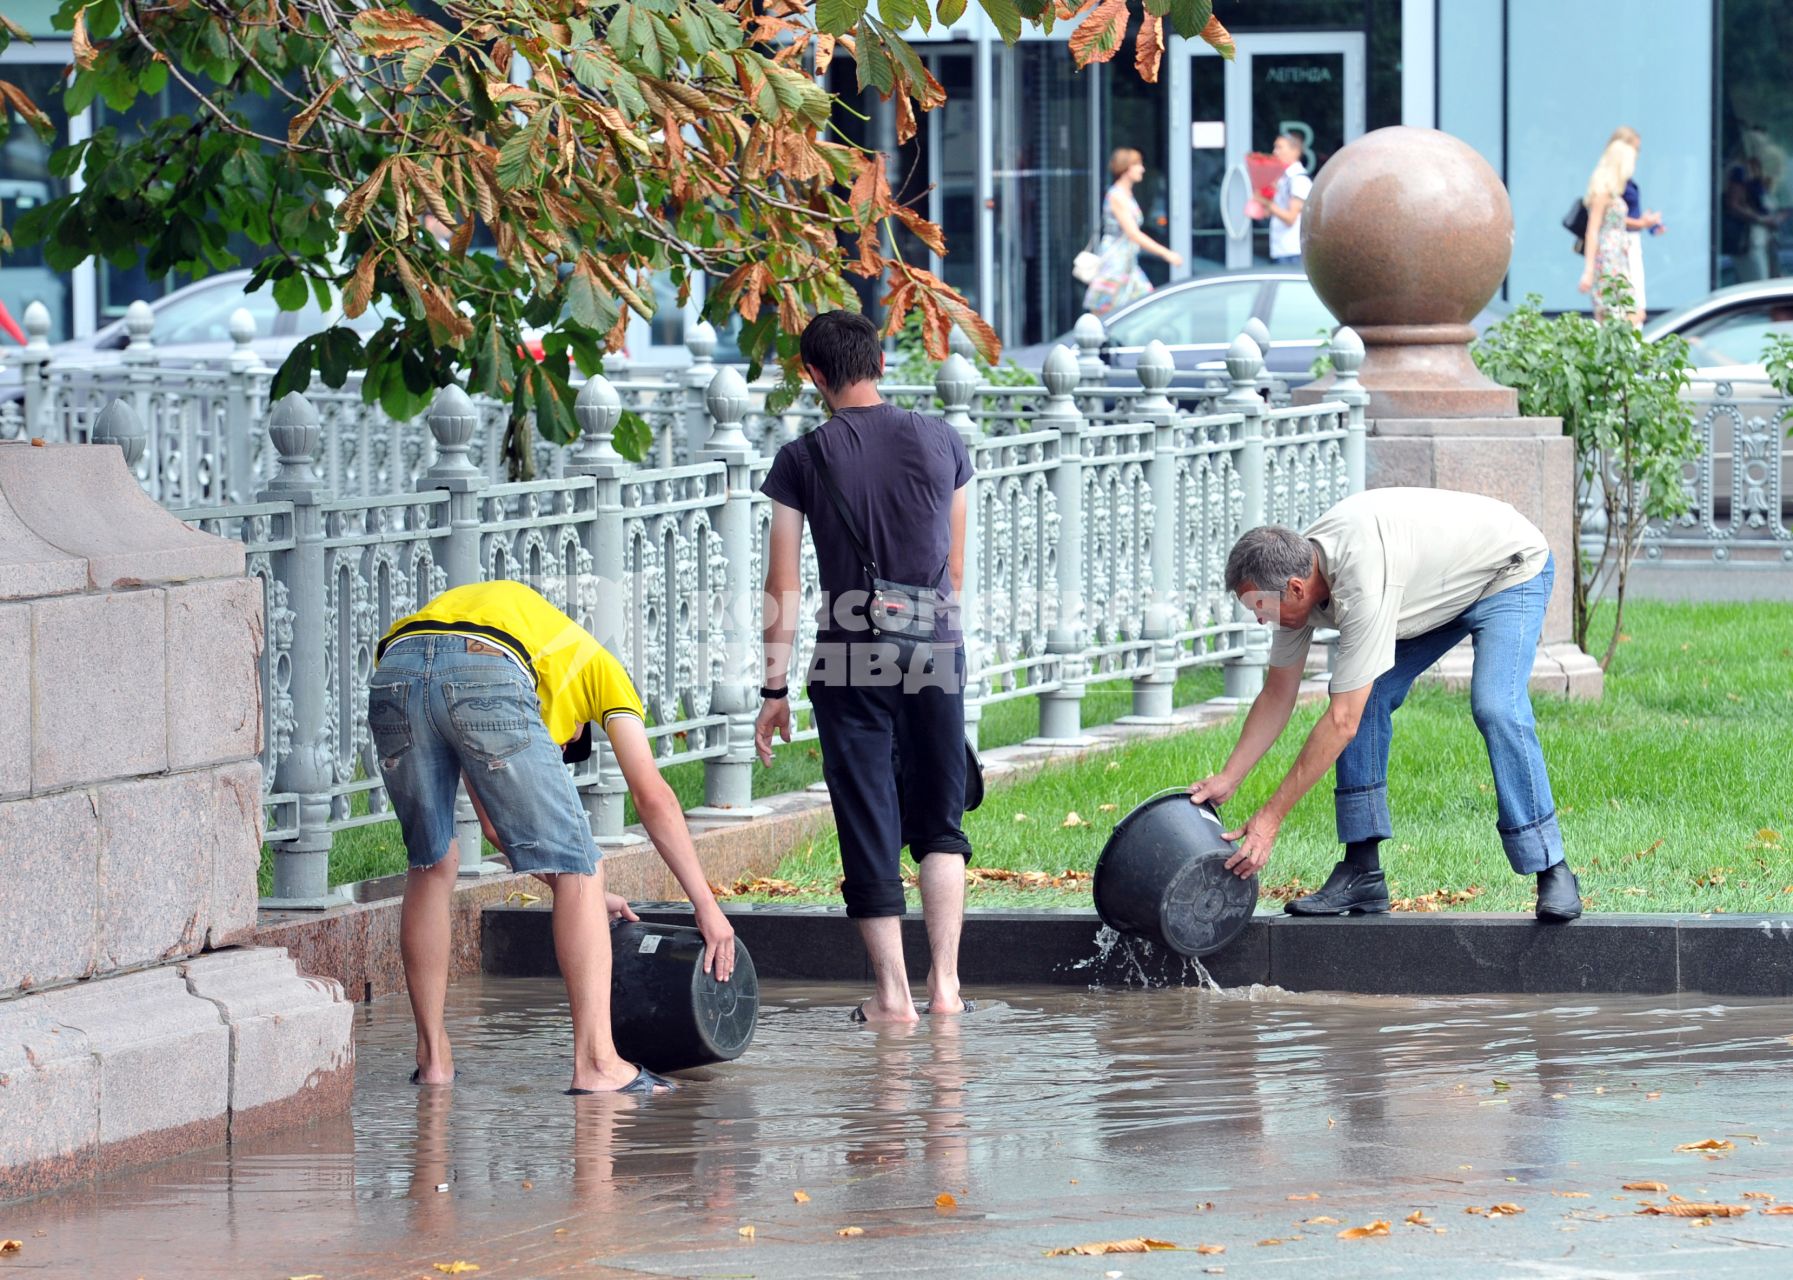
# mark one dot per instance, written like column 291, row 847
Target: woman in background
column 1118, row 278
column 1638, row 222
column 1608, row 248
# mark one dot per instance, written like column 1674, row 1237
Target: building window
column 26, row 183
column 1755, row 138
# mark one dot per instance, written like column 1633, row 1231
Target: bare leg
column 943, row 907
column 883, row 937
column 582, row 946
column 423, row 935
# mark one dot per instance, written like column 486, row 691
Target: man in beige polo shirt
column 1403, row 575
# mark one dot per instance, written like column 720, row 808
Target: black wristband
column 768, row 693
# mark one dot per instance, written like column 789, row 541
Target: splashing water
column 1139, row 958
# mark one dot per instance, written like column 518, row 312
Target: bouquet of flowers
column 1265, row 172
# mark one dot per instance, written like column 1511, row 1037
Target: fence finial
column 118, row 424
column 955, row 382
column 1089, row 335
column 1258, row 332
column 453, row 419
column 1346, row 354
column 140, row 323
column 242, row 335
column 37, row 326
column 1060, row 372
column 726, row 399
column 293, row 427
column 599, row 408
column 1156, row 368
column 959, row 343
column 1244, row 362
column 700, row 341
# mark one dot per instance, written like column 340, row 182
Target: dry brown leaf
column 747, row 1232
column 1472, row 1208
column 1272, row 1240
column 1210, row 1249
column 1074, row 819
column 1321, row 1221
column 456, row 1268
column 1377, row 1228
column 1777, row 1210
column 1710, row 1144
column 1685, row 1209
column 1645, row 1186
column 1310, row 1195
column 309, row 1276
column 1758, row 1195
column 1651, row 1097
column 1504, row 1211
column 850, row 1231
column 1138, row 1244
column 801, row 1197
column 13, row 1246
column 528, row 1185
column 1107, row 808
column 945, row 1201
column 1571, row 1195
column 1419, row 1219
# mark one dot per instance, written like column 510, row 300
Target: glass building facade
column 1014, row 165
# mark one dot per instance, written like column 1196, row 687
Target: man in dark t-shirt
column 892, row 737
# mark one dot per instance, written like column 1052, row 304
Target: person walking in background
column 1118, row 278
column 1607, row 250
column 1638, row 222
column 884, row 491
column 1285, row 206
column 1752, row 222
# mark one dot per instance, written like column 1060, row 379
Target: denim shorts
column 437, row 713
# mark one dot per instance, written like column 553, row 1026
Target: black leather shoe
column 1559, row 893
column 1347, row 891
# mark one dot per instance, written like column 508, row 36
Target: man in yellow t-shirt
column 1404, row 575
column 492, row 683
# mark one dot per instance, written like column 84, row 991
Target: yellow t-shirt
column 576, row 678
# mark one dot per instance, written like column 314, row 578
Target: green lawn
column 1675, row 792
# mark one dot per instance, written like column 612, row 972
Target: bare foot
column 875, row 1011
column 947, row 1001
column 440, row 1072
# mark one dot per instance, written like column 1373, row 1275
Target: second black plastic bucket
column 668, row 1014
column 1162, row 876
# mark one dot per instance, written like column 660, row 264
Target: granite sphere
column 1407, row 226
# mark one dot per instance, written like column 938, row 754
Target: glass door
column 1310, row 85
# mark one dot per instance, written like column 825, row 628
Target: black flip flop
column 858, row 1014
column 645, row 1082
column 970, row 1005
column 419, row 1071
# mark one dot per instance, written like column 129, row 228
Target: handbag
column 1087, row 265
column 1575, row 222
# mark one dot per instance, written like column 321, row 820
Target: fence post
column 452, row 420
column 1092, row 370
column 955, row 382
column 728, row 779
column 694, row 414
column 599, row 408
column 34, row 371
column 1154, row 690
column 1061, row 711
column 1347, row 359
column 1244, row 673
column 236, row 434
column 139, row 360
column 302, row 864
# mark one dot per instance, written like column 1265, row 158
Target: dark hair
column 843, row 347
column 1265, row 558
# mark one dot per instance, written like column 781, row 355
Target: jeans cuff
column 1535, row 847
column 875, row 901
column 1362, row 813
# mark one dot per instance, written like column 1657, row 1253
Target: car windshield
column 1210, row 312
column 1740, row 335
column 203, row 314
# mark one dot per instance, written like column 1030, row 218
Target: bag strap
column 820, row 464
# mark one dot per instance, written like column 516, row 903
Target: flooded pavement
column 1262, row 1122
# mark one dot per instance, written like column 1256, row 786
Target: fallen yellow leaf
column 1758, row 1195
column 1571, row 1195
column 1686, row 1210
column 1022, row 817
column 13, row 1246
column 312, row 1276
column 850, row 1231
column 1504, row 1211
column 1210, row 1249
column 1777, row 1210
column 1419, row 1219
column 456, row 1268
column 801, row 1197
column 1311, row 1195
column 1710, row 1144
column 1322, row 1222
column 1074, row 819
column 1107, row 808
column 1377, row 1228
column 945, row 1201
column 747, row 1232
column 1645, row 1186
column 1651, row 1097
column 1272, row 1240
column 1138, row 1244
column 520, row 898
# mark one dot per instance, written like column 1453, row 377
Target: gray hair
column 1267, row 557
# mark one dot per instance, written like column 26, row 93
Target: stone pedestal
column 130, row 837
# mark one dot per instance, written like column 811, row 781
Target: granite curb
column 1444, row 953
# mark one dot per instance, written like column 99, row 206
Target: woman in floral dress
column 1608, row 247
column 1118, row 278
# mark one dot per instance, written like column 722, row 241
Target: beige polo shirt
column 1402, row 562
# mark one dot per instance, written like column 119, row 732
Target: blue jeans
column 1504, row 629
column 438, row 712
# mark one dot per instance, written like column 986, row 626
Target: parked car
column 1198, row 319
column 1727, row 329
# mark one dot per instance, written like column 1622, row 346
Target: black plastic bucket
column 668, row 1014
column 1162, row 876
